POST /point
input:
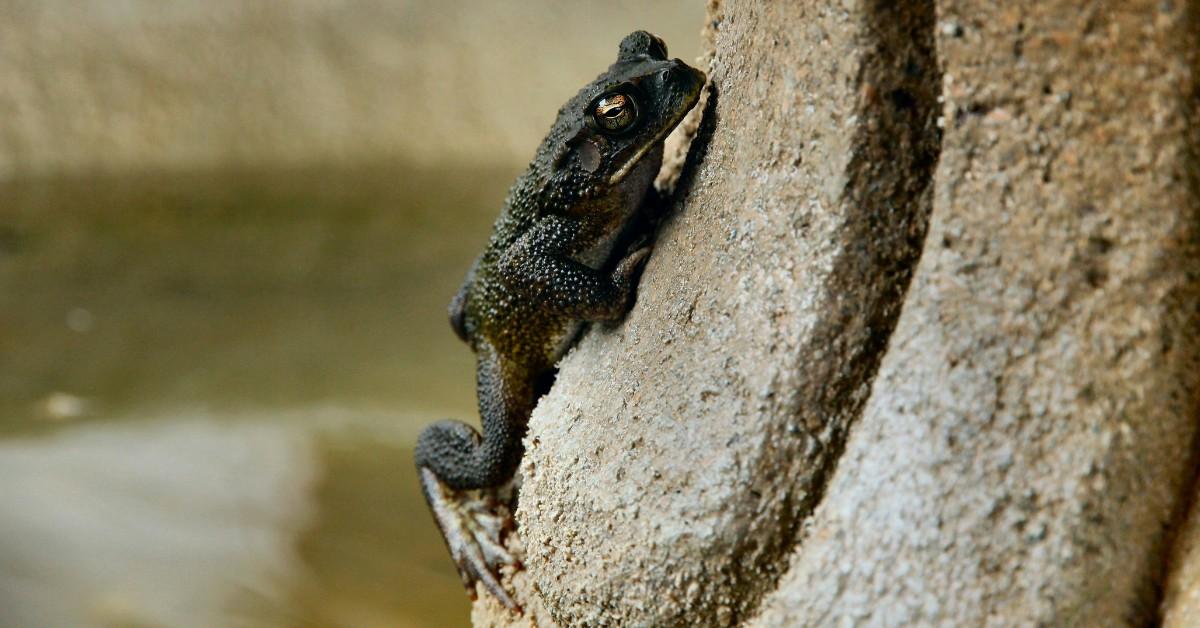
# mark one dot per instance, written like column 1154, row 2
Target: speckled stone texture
column 1028, row 437
column 762, row 442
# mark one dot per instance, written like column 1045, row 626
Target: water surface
column 210, row 384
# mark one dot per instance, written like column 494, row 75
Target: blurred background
column 228, row 233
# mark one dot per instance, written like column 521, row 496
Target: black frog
column 552, row 264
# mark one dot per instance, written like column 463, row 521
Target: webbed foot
column 473, row 529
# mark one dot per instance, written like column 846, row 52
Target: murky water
column 209, row 389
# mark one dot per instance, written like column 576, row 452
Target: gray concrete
column 730, row 455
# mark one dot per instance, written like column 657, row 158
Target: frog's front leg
column 549, row 275
column 453, row 459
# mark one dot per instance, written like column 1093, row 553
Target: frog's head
column 617, row 119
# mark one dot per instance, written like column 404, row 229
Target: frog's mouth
column 692, row 98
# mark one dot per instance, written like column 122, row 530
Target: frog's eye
column 614, row 112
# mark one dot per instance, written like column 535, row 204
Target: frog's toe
column 473, row 528
column 495, row 555
column 632, row 263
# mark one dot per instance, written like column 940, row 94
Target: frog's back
column 518, row 214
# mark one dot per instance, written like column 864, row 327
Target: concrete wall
column 786, row 432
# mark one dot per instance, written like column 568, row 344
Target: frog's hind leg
column 454, row 462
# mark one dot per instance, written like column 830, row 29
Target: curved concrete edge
column 1029, row 435
column 668, row 472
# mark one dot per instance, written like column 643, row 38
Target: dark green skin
column 551, row 265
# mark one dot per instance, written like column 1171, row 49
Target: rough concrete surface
column 667, row 472
column 735, row 452
column 1029, row 435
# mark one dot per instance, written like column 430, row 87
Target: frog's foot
column 630, row 265
column 625, row 278
column 473, row 527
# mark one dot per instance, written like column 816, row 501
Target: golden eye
column 614, row 112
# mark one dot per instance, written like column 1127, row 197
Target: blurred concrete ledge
column 114, row 87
